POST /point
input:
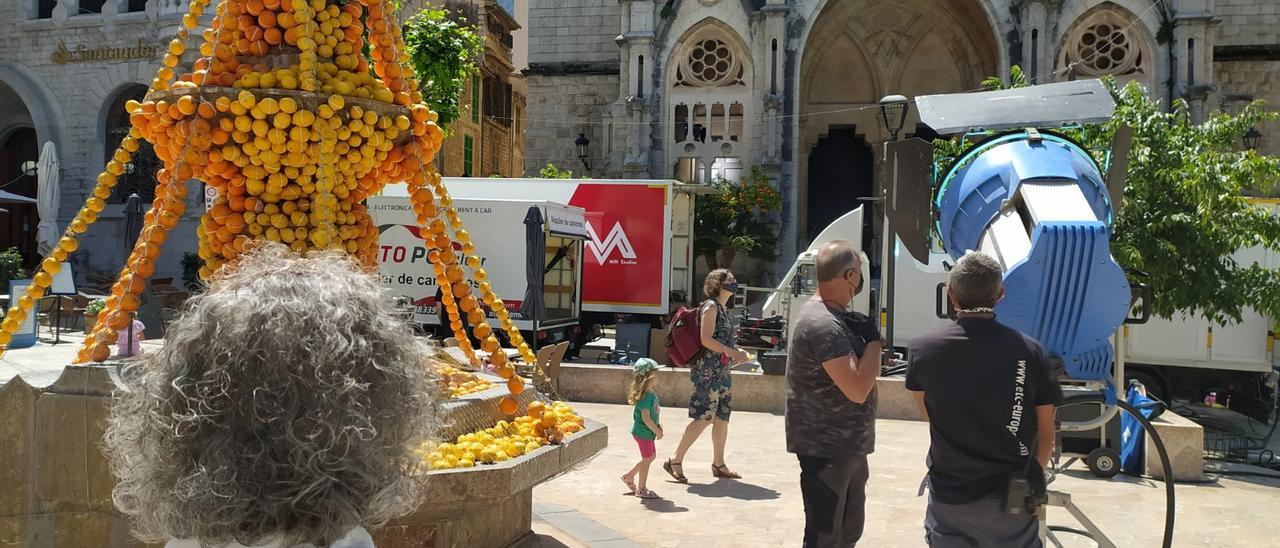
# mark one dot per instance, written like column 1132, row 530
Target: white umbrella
column 47, row 199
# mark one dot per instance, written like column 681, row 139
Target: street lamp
column 28, row 167
column 893, row 112
column 1252, row 138
column 582, row 143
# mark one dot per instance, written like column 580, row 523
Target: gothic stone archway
column 861, row 50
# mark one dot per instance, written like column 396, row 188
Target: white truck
column 636, row 252
column 505, row 245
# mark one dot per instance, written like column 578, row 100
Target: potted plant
column 737, row 219
column 91, row 313
column 10, row 267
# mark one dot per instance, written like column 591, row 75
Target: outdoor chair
column 79, row 303
column 46, row 309
column 101, row 284
column 553, row 367
column 537, row 371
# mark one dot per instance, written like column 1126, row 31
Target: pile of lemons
column 459, row 383
column 542, row 425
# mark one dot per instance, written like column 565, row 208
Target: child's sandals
column 631, row 485
column 646, row 494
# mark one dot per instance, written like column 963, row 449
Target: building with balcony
column 488, row 138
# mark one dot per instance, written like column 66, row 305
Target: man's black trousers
column 835, row 496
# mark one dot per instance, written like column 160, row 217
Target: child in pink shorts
column 645, row 428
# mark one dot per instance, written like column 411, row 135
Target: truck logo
column 617, row 239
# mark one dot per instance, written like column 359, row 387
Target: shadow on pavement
column 734, row 489
column 662, row 506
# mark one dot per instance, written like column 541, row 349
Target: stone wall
column 1246, row 22
column 561, row 106
column 1257, row 79
column 573, row 31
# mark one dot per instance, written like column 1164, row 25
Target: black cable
column 1072, row 530
column 1169, row 501
column 1248, row 473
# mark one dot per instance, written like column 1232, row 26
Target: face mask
column 731, row 287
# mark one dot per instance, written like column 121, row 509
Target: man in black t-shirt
column 833, row 359
column 989, row 395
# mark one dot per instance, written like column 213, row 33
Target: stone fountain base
column 57, row 484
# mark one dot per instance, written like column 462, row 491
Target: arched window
column 709, row 63
column 708, row 102
column 139, row 174
column 1107, row 42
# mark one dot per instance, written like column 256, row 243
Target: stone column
column 1193, row 46
column 635, row 86
column 773, row 127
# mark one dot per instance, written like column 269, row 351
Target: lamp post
column 1251, row 138
column 28, row 167
column 581, row 142
column 893, row 113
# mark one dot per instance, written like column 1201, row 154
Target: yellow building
column 488, row 137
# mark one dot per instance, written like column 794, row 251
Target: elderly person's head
column 839, row 271
column 975, row 282
column 284, row 406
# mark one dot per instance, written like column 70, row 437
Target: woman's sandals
column 671, row 469
column 722, row 471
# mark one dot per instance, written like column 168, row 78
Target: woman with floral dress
column 712, row 385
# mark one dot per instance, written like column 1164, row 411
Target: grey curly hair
column 284, row 405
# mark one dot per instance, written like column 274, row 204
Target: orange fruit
column 536, row 408
column 515, row 385
column 100, row 352
column 130, row 302
column 506, row 371
column 548, row 421
column 508, row 405
column 267, row 19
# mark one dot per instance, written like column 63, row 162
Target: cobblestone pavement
column 764, row 508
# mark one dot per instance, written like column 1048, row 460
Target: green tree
column 553, row 172
column 443, row 54
column 1186, row 209
column 737, row 219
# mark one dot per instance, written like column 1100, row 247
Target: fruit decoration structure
column 542, row 425
column 280, row 114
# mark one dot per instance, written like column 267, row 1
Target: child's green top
column 639, row 429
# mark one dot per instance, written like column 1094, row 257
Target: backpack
column 684, row 337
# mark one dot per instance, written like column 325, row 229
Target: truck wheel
column 1104, row 462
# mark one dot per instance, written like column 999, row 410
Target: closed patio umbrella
column 534, row 306
column 47, row 194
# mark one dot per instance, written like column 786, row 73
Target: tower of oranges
column 287, row 119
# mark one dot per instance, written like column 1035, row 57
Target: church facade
column 704, row 89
